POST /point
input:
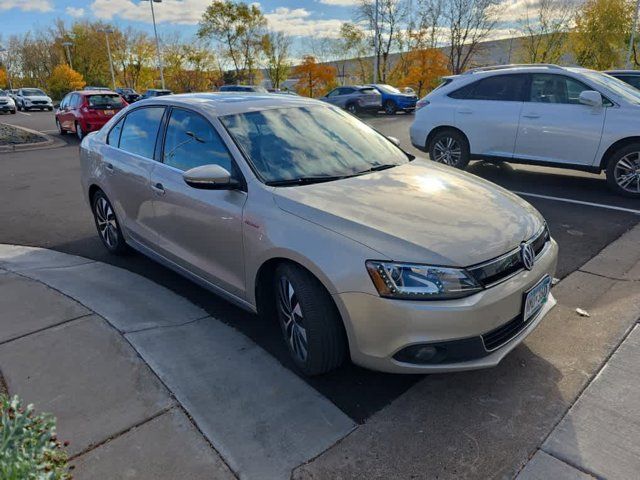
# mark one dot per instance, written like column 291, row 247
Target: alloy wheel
column 79, row 132
column 352, row 109
column 447, row 150
column 106, row 221
column 292, row 319
column 627, row 172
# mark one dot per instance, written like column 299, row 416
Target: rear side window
column 140, row 131
column 191, row 141
column 502, row 88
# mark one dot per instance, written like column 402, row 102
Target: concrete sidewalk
column 145, row 384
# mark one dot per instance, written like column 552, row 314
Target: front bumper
column 7, row 107
column 379, row 328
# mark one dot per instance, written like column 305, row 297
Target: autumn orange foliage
column 314, row 79
column 421, row 70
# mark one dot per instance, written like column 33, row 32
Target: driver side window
column 191, row 142
column 549, row 88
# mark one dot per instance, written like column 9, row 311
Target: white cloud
column 297, row 22
column 75, row 12
column 341, row 3
column 184, row 12
column 27, row 5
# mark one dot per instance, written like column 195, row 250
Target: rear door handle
column 158, row 188
column 531, row 115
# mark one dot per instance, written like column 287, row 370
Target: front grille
column 501, row 335
column 499, row 269
column 39, row 102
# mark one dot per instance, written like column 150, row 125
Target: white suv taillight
column 421, row 103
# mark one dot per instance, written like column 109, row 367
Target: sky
column 302, row 19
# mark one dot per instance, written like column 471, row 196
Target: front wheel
column 390, row 107
column 623, row 171
column 107, row 224
column 13, row 112
column 61, row 130
column 79, row 132
column 451, row 148
column 310, row 322
column 352, row 108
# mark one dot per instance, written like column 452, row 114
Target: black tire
column 13, row 112
column 390, row 107
column 457, row 145
column 623, row 165
column 61, row 130
column 324, row 335
column 79, row 132
column 50, row 109
column 107, row 224
column 352, row 108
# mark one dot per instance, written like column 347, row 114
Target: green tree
column 545, row 26
column 238, row 29
column 602, row 29
column 275, row 46
column 354, row 44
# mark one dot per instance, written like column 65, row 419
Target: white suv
column 537, row 114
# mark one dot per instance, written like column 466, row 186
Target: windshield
column 3, row 93
column 33, row 92
column 389, row 89
column 309, row 142
column 106, row 101
column 624, row 90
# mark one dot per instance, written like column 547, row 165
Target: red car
column 87, row 111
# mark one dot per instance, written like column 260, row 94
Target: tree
column 134, row 54
column 314, row 78
column 425, row 68
column 275, row 46
column 64, row 80
column 602, row 29
column 469, row 22
column 353, row 44
column 4, row 79
column 545, row 26
column 189, row 67
column 391, row 15
column 238, row 29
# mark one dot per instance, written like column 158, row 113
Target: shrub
column 64, row 80
column 29, row 449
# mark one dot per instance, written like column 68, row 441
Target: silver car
column 355, row 99
column 294, row 209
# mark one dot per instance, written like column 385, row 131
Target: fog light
column 424, row 354
column 421, row 354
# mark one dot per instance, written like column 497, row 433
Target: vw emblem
column 528, row 255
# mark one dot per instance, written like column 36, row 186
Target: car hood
column 419, row 212
column 37, row 98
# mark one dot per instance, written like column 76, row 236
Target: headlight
column 420, row 282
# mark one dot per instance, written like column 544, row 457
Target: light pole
column 155, row 31
column 106, row 32
column 376, row 59
column 5, row 52
column 633, row 35
column 66, row 46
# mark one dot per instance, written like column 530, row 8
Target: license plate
column 108, row 112
column 536, row 297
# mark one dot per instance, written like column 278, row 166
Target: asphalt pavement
column 42, row 205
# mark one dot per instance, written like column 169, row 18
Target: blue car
column 394, row 100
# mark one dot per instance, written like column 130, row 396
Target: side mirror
column 394, row 140
column 590, row 98
column 210, row 177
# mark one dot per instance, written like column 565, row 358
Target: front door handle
column 109, row 168
column 531, row 115
column 466, row 111
column 158, row 188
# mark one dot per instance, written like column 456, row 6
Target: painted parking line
column 578, row 202
column 25, row 113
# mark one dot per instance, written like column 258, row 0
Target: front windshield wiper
column 377, row 168
column 305, row 180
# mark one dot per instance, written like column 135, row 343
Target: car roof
column 519, row 68
column 230, row 103
column 625, row 72
column 95, row 92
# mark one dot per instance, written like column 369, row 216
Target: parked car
column 632, row 77
column 394, row 100
column 155, row 92
column 243, row 88
column 6, row 102
column 355, row 98
column 33, row 98
column 86, row 111
column 13, row 93
column 129, row 94
column 546, row 115
column 291, row 207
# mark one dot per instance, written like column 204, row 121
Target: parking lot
column 42, row 205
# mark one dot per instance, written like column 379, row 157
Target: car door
column 488, row 112
column 333, row 96
column 554, row 126
column 63, row 110
column 200, row 230
column 128, row 159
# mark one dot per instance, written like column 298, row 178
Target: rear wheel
column 451, row 148
column 390, row 107
column 310, row 322
column 107, row 224
column 623, row 171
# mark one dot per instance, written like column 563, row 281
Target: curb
column 21, row 147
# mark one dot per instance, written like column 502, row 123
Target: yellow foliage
column 420, row 69
column 63, row 80
column 4, row 81
column 314, row 79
